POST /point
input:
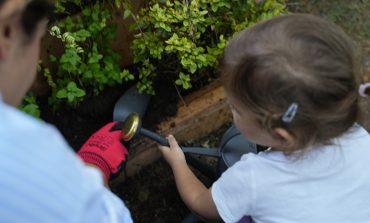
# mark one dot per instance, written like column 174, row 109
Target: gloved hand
column 105, row 150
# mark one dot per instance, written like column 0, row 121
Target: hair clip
column 290, row 113
column 362, row 89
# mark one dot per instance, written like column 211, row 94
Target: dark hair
column 366, row 79
column 34, row 12
column 300, row 59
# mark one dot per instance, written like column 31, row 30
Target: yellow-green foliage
column 193, row 33
column 185, row 37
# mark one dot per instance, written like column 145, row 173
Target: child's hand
column 173, row 153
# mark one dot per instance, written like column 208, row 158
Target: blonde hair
column 300, row 59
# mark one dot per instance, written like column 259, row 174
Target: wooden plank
column 123, row 43
column 203, row 112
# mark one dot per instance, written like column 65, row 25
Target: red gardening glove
column 105, row 150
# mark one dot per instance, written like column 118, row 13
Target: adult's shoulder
column 17, row 126
column 30, row 140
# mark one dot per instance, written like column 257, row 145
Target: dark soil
column 152, row 196
column 77, row 124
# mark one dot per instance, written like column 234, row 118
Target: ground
column 151, row 195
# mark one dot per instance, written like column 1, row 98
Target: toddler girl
column 293, row 84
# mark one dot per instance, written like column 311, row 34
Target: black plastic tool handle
column 194, row 150
column 154, row 136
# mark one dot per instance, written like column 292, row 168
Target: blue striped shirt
column 42, row 179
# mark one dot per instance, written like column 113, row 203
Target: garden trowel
column 131, row 101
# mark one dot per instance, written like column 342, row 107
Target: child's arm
column 195, row 195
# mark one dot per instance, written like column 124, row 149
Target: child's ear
column 287, row 138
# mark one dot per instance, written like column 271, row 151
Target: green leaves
column 180, row 39
column 126, row 75
column 95, row 57
column 126, row 13
column 184, row 81
column 191, row 35
column 87, row 64
column 70, row 60
column 29, row 105
column 72, row 93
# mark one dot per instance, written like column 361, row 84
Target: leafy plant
column 72, row 93
column 88, row 64
column 184, row 81
column 180, row 39
column 29, row 105
column 187, row 37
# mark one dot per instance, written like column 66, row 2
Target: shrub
column 189, row 36
column 88, row 64
column 179, row 39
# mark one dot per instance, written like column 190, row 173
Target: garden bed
column 195, row 118
column 150, row 191
column 147, row 183
column 152, row 196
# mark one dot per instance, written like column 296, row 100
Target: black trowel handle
column 193, row 150
column 154, row 136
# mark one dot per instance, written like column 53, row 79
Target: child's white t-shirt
column 329, row 184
